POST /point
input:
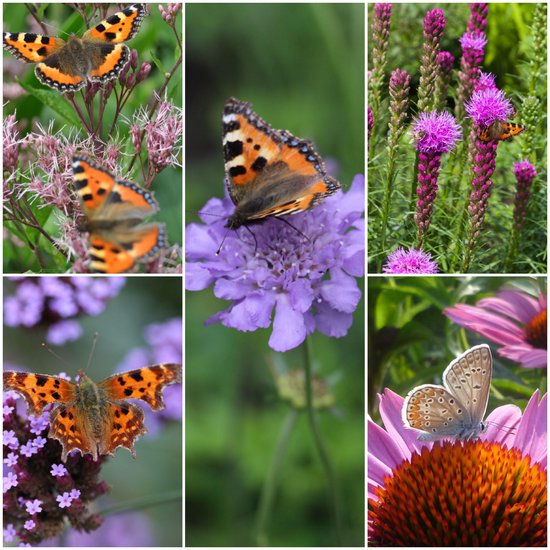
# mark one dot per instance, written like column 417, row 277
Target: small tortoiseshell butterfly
column 98, row 56
column 269, row 172
column 501, row 130
column 113, row 209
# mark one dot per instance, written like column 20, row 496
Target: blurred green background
column 302, row 67
column 157, row 48
column 157, row 470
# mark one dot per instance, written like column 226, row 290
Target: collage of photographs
column 291, row 257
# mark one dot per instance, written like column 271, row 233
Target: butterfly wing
column 146, row 384
column 118, row 249
column 125, row 425
column 113, row 210
column 119, row 27
column 501, row 130
column 30, row 47
column 39, row 390
column 434, row 411
column 269, row 172
column 468, row 378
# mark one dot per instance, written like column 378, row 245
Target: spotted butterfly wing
column 269, row 172
column 457, row 408
column 501, row 131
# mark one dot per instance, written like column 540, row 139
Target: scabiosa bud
column 56, row 303
column 478, row 17
column 435, row 134
column 407, row 262
column 42, row 495
column 304, row 274
column 380, row 37
column 434, row 25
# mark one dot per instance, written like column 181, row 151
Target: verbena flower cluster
column 57, row 302
column 41, row 494
column 304, row 274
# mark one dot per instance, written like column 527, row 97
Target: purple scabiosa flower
column 406, row 262
column 435, row 134
column 434, row 25
column 56, row 302
column 40, row 478
column 514, row 319
column 404, row 509
column 304, row 274
column 381, row 22
column 478, row 17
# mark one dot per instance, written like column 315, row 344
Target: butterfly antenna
column 253, row 236
column 221, row 244
column 58, row 357
column 94, row 342
column 511, row 429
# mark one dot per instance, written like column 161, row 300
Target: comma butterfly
column 99, row 56
column 113, row 210
column 95, row 418
column 501, row 130
column 269, row 172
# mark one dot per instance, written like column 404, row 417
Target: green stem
column 321, row 449
column 267, row 497
column 143, row 502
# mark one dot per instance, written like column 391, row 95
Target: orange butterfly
column 95, row 418
column 501, row 130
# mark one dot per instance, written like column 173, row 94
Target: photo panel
column 275, row 259
column 457, row 124
column 93, row 450
column 93, row 131
column 457, row 400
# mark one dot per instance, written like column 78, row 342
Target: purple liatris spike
column 434, row 134
column 525, row 173
column 478, row 17
column 445, row 60
column 400, row 82
column 370, row 121
column 404, row 262
column 380, row 38
column 488, row 106
column 434, row 25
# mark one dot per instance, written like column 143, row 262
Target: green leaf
column 53, row 100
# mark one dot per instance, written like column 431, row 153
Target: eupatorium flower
column 304, row 275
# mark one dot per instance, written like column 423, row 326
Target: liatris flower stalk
column 537, row 73
column 434, row 25
column 399, row 93
column 380, row 36
column 435, row 134
column 407, row 262
column 525, row 173
column 445, row 61
column 478, row 17
column 473, row 49
column 531, row 147
column 370, row 123
column 486, row 107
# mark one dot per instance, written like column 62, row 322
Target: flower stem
column 267, row 497
column 323, row 455
column 143, row 502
